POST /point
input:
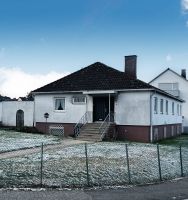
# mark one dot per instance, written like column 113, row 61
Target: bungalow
column 175, row 84
column 97, row 95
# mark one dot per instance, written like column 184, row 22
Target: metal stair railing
column 105, row 124
column 83, row 120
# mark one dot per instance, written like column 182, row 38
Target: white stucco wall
column 9, row 109
column 170, row 77
column 132, row 108
column 164, row 118
column 71, row 114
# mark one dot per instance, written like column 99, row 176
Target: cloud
column 184, row 4
column 14, row 82
column 168, row 58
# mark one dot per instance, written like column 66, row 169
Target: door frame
column 106, row 100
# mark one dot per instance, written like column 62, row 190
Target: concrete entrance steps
column 90, row 132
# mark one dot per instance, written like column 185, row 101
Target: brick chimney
column 183, row 73
column 130, row 66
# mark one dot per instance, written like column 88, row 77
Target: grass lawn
column 183, row 140
column 12, row 140
column 107, row 163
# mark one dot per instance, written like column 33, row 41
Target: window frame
column 155, row 105
column 78, row 102
column 167, row 107
column 173, row 105
column 59, row 98
column 161, row 106
column 178, row 109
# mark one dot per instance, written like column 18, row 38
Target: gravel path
column 22, row 152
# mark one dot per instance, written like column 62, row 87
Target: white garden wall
column 9, row 109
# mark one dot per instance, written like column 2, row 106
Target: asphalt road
column 173, row 190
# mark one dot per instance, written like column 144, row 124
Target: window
column 173, row 108
column 60, row 104
column 167, row 107
column 161, row 106
column 155, row 105
column 172, row 88
column 79, row 100
column 169, row 86
column 178, row 109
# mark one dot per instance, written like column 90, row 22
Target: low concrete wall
column 10, row 108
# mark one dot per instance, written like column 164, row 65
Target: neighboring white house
column 141, row 111
column 177, row 85
column 17, row 113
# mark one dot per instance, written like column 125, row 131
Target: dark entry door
column 101, row 107
column 20, row 119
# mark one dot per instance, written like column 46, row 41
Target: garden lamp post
column 46, row 116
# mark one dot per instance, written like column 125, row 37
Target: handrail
column 83, row 120
column 105, row 124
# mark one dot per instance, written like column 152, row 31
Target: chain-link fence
column 92, row 164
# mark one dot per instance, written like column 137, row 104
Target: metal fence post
column 159, row 163
column 128, row 167
column 87, row 166
column 41, row 166
column 181, row 161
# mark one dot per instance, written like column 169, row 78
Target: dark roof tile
column 97, row 76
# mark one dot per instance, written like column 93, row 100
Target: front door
column 101, row 107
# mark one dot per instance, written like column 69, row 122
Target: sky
column 44, row 40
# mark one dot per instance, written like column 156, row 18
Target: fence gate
column 20, row 119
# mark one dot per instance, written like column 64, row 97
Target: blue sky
column 50, row 38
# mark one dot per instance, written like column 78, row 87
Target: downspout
column 109, row 107
column 34, row 122
column 151, row 116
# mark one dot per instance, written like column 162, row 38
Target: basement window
column 79, row 100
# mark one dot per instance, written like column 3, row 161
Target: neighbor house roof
column 97, row 76
column 168, row 69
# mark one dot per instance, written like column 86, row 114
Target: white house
column 97, row 92
column 177, row 85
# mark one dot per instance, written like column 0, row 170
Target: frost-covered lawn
column 182, row 139
column 107, row 165
column 11, row 140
